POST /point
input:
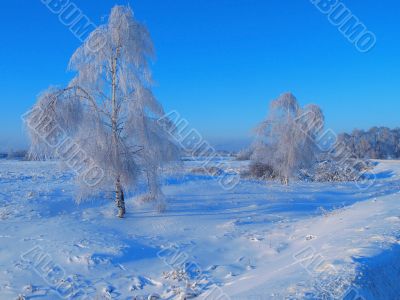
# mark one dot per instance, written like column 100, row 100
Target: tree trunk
column 120, row 199
column 119, row 193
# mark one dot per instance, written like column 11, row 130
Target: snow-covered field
column 257, row 241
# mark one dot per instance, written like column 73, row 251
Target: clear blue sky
column 219, row 62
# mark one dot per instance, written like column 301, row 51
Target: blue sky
column 219, row 62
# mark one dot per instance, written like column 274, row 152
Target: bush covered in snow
column 332, row 171
column 244, row 154
column 262, row 171
column 322, row 171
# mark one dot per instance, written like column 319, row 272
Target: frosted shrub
column 244, row 154
column 333, row 171
column 262, row 171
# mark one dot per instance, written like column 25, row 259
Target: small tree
column 109, row 111
column 286, row 139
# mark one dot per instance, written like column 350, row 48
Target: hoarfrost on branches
column 285, row 141
column 109, row 110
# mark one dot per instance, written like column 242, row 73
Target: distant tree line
column 376, row 143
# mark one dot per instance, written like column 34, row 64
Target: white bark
column 109, row 111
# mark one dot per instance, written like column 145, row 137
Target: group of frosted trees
column 109, row 115
column 287, row 146
column 108, row 111
column 376, row 143
column 286, row 139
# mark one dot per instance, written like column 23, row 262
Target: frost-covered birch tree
column 286, row 138
column 109, row 112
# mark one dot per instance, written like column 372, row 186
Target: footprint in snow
column 310, row 237
column 140, row 282
column 256, row 239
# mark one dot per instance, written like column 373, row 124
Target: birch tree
column 285, row 140
column 109, row 110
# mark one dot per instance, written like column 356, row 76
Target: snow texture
column 258, row 241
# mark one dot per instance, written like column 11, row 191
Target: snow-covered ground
column 257, row 241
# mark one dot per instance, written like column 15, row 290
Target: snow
column 257, row 241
